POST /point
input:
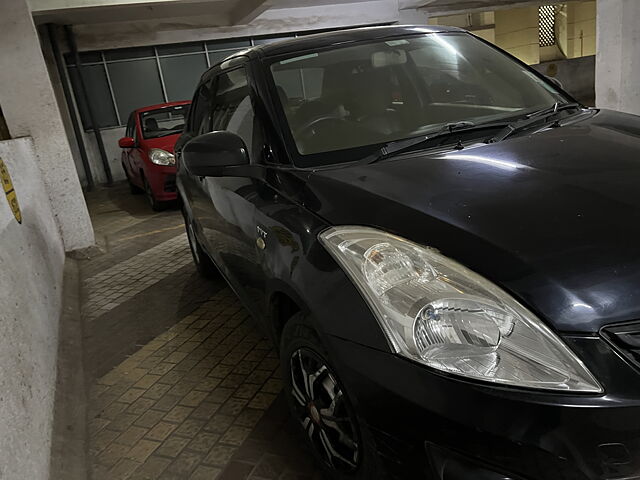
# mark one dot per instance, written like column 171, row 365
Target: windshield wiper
column 398, row 146
column 531, row 119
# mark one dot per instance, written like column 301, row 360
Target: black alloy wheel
column 322, row 409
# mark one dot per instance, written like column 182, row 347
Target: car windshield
column 163, row 121
column 346, row 98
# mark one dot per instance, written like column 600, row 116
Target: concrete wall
column 516, row 32
column 577, row 76
column 30, row 109
column 110, row 137
column 31, row 266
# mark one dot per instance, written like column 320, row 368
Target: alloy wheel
column 324, row 412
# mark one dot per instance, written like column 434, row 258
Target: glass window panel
column 264, row 40
column 95, row 80
column 181, row 75
column 237, row 43
column 85, row 57
column 163, row 122
column 181, row 48
column 217, row 57
column 128, row 53
column 135, row 84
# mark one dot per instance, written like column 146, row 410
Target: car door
column 228, row 221
column 194, row 196
column 137, row 153
column 126, row 152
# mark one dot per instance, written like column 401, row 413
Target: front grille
column 626, row 339
column 170, row 183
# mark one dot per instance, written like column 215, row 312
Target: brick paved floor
column 183, row 386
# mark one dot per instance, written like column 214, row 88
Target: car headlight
column 161, row 157
column 437, row 312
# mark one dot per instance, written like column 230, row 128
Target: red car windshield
column 163, row 121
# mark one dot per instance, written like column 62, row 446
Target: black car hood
column 552, row 217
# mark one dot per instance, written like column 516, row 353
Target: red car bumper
column 163, row 182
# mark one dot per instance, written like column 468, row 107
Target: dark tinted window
column 199, row 119
column 232, row 108
column 359, row 96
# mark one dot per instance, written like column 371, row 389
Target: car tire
column 203, row 263
column 301, row 345
column 156, row 206
column 134, row 189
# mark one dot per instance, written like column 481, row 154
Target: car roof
column 336, row 37
column 162, row 105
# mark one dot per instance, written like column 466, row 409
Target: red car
column 147, row 150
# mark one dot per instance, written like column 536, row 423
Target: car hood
column 165, row 143
column 552, row 217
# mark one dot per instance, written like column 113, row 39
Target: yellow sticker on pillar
column 9, row 191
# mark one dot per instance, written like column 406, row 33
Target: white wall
column 31, row 263
column 110, row 137
column 30, row 109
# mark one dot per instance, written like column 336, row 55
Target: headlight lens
column 437, row 312
column 161, row 157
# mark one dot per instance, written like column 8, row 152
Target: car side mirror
column 209, row 154
column 127, row 142
column 556, row 82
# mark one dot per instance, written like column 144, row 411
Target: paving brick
column 190, row 427
column 172, row 446
column 142, row 450
column 219, row 423
column 193, row 398
column 178, row 414
column 123, row 469
column 156, row 391
column 205, row 410
column 147, row 381
column 149, row 418
column 131, row 435
column 220, row 455
column 203, row 442
column 161, row 431
column 205, row 473
column 151, row 469
column 112, row 454
column 235, row 435
column 185, row 463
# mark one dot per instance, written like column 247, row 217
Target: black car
column 444, row 245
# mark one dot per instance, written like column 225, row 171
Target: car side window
column 232, row 110
column 131, row 126
column 199, row 118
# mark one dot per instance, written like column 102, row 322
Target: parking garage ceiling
column 225, row 12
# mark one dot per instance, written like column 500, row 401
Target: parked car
column 443, row 244
column 147, row 151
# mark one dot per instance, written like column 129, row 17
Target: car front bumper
column 430, row 425
column 162, row 180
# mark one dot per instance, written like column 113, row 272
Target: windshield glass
column 368, row 94
column 164, row 121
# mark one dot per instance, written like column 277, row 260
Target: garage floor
column 182, row 384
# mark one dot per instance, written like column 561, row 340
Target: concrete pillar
column 30, row 109
column 618, row 55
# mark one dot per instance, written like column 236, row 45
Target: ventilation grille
column 547, row 24
column 626, row 339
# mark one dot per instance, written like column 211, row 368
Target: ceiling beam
column 247, row 11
